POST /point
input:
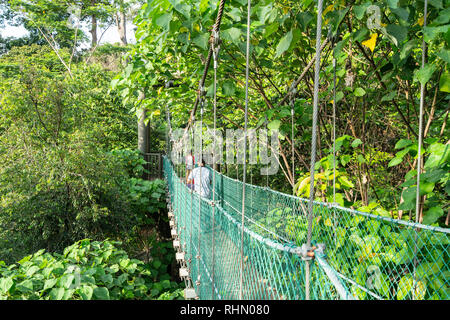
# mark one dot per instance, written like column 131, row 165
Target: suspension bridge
column 354, row 255
column 251, row 242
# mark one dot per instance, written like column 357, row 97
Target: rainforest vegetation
column 72, row 193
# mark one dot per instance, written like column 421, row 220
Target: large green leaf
column 101, row 293
column 424, row 74
column 430, row 216
column 359, row 92
column 404, row 287
column 164, row 20
column 402, row 143
column 398, row 32
column 233, row 34
column 284, row 44
column 444, row 82
column 6, row 284
column 57, row 293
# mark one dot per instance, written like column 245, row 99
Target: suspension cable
column 292, row 102
column 215, row 28
column 419, row 149
column 202, row 102
column 245, row 148
column 314, row 141
column 334, row 136
column 216, row 49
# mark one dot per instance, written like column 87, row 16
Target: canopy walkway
column 358, row 255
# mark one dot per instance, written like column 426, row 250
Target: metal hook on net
column 215, row 44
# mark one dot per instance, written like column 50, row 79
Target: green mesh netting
column 367, row 256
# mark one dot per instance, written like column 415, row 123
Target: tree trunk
column 94, row 31
column 143, row 134
column 121, row 27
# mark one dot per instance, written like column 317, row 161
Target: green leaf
column 444, row 82
column 233, row 34
column 56, row 293
column 164, row 20
column 401, row 13
column 436, row 3
column 271, row 28
column 66, row 280
column 361, row 10
column 424, row 74
column 345, row 159
column 359, row 92
column 274, row 125
column 398, row 32
column 6, row 284
column 402, row 143
column 444, row 54
column 404, row 287
column 395, row 161
column 203, row 5
column 432, row 215
column 356, row 143
column 284, row 44
column 49, row 283
column 345, row 182
column 407, row 48
column 392, row 3
column 339, row 96
column 101, row 293
column 229, row 88
column 32, row 270
column 388, row 97
column 201, row 41
column 426, row 187
column 430, row 33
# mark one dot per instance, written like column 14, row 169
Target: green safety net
column 366, row 256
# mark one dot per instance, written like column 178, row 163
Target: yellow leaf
column 420, row 21
column 328, row 9
column 160, row 90
column 370, row 43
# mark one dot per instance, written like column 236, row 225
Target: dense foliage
column 69, row 171
column 85, row 270
column 378, row 70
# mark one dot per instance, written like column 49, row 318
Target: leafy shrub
column 86, row 270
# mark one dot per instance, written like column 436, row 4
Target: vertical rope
column 267, row 176
column 293, row 145
column 419, row 149
column 216, row 49
column 334, row 146
column 422, row 98
column 202, row 102
column 192, row 203
column 245, row 149
column 314, row 140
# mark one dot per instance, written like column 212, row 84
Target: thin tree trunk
column 121, row 27
column 94, row 31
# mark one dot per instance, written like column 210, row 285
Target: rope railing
column 367, row 256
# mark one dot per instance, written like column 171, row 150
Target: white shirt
column 203, row 188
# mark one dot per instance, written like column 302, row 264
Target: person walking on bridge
column 201, row 178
